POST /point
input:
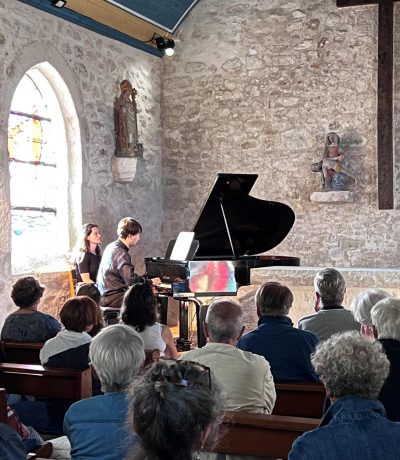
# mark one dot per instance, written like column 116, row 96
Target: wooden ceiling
column 133, row 22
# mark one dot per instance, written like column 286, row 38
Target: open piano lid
column 255, row 225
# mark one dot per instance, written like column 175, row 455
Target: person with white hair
column 96, row 426
column 330, row 317
column 361, row 307
column 385, row 316
column 245, row 379
column 353, row 370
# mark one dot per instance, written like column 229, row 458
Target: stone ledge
column 360, row 277
column 332, row 197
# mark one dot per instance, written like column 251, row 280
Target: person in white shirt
column 244, row 378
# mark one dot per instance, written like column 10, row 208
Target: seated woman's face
column 95, row 236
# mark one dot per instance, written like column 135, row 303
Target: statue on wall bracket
column 128, row 149
column 335, row 177
column 125, row 119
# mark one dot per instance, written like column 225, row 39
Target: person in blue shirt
column 96, row 427
column 286, row 348
column 353, row 370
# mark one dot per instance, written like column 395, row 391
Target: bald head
column 224, row 321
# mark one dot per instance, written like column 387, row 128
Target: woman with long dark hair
column 139, row 310
column 89, row 254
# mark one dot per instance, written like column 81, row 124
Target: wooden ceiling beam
column 344, row 3
column 118, row 19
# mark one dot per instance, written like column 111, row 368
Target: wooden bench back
column 299, row 399
column 35, row 380
column 3, row 406
column 259, row 435
column 20, row 352
column 151, row 356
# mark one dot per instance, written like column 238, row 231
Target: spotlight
column 59, row 3
column 165, row 45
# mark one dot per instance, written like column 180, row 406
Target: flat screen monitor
column 212, row 277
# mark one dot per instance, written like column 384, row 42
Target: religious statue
column 334, row 176
column 125, row 119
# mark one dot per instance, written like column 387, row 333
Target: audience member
column 139, row 310
column 244, row 378
column 90, row 290
column 27, row 324
column 286, row 348
column 385, row 317
column 89, row 254
column 361, row 307
column 330, row 317
column 96, row 426
column 174, row 410
column 116, row 272
column 11, row 445
column 353, row 370
column 70, row 347
column 32, row 440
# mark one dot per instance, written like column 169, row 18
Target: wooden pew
column 151, row 356
column 299, row 399
column 21, row 352
column 3, row 405
column 38, row 381
column 259, row 435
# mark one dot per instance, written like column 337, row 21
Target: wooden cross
column 385, row 98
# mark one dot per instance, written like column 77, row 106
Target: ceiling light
column 164, row 45
column 59, row 3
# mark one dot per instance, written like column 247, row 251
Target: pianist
column 116, row 272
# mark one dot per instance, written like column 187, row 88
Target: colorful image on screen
column 212, row 276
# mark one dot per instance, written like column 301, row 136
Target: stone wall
column 92, row 67
column 255, row 86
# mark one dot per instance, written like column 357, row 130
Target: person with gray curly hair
column 385, row 317
column 96, row 426
column 361, row 307
column 330, row 317
column 353, row 370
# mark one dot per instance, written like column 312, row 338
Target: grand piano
column 232, row 228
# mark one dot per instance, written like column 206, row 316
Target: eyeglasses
column 203, row 370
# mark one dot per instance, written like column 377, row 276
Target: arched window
column 39, row 174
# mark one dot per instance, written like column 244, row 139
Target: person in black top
column 89, row 254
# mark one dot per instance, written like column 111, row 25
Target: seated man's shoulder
column 91, row 406
column 250, row 357
column 307, row 319
column 305, row 335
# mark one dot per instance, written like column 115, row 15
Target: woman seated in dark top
column 89, row 254
column 27, row 324
column 70, row 347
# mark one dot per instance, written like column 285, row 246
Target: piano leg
column 163, row 302
column 183, row 343
column 201, row 312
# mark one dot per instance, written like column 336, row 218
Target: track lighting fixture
column 59, row 3
column 165, row 45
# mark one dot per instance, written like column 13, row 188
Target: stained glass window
column 38, row 166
